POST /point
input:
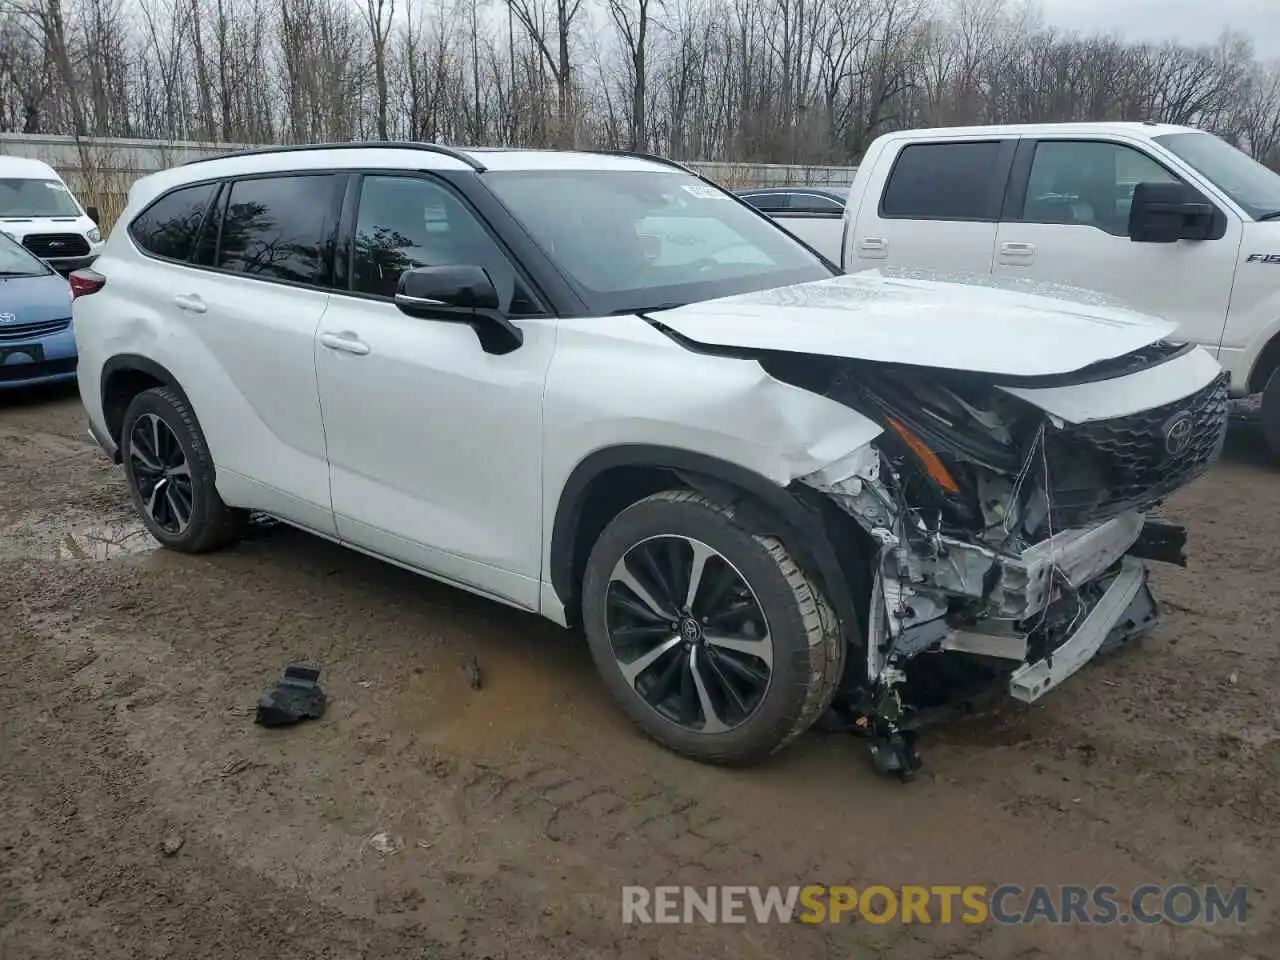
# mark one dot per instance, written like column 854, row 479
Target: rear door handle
column 346, row 342
column 190, row 302
column 1014, row 252
column 873, row 248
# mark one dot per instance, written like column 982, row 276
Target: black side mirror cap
column 94, row 215
column 1169, row 212
column 459, row 293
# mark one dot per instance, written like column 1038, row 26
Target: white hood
column 971, row 323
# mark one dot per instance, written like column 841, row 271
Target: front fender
column 690, row 413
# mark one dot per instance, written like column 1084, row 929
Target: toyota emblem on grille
column 1177, row 433
column 8, row 317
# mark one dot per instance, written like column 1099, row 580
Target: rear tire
column 731, row 676
column 171, row 475
column 1271, row 414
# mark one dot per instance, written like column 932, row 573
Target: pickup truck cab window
column 944, row 181
column 1087, row 182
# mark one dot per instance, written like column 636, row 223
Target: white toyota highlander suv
column 602, row 389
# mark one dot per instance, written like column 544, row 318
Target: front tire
column 171, row 475
column 710, row 637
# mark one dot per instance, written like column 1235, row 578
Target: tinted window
column 168, row 227
column 278, row 228
column 206, row 254
column 815, row 203
column 1089, row 183
column 943, row 181
column 769, row 202
column 407, row 222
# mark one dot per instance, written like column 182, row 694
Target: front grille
column 50, row 246
column 1101, row 469
column 11, row 332
column 13, row 372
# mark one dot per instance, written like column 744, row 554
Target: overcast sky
column 1186, row 20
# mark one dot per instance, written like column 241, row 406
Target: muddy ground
column 515, row 812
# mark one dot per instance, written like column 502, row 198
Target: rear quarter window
column 168, row 227
column 944, row 181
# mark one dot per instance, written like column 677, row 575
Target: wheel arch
column 1267, row 363
column 824, row 541
column 124, row 376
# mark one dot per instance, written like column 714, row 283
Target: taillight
column 84, row 282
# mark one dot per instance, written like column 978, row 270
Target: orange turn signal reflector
column 941, row 475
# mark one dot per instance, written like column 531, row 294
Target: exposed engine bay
column 1010, row 545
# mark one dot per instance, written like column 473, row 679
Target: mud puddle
column 49, row 539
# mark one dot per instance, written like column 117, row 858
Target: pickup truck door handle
column 1013, row 252
column 346, row 342
column 873, row 248
column 190, row 302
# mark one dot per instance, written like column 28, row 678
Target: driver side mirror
column 94, row 215
column 459, row 293
column 1169, row 212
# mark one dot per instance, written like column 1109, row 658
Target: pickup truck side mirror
column 94, row 215
column 459, row 293
column 1169, row 212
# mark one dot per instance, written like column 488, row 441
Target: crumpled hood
column 34, row 299
column 978, row 324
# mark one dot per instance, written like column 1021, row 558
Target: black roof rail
column 652, row 158
column 469, row 160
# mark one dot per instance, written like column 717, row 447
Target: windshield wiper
column 17, row 273
column 653, row 309
column 1273, row 215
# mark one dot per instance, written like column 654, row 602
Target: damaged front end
column 1010, row 544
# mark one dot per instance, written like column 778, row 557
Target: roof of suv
column 379, row 155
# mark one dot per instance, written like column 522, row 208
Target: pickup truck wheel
column 171, row 475
column 1271, row 414
column 709, row 636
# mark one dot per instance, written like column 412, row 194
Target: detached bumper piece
column 297, row 697
column 1125, row 603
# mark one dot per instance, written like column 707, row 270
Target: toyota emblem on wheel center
column 1177, row 433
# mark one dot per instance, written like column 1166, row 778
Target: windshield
column 630, row 240
column 24, row 197
column 1254, row 187
column 15, row 261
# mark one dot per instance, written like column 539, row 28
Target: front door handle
column 346, row 342
column 190, row 302
column 1016, row 252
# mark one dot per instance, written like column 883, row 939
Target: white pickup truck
column 1172, row 221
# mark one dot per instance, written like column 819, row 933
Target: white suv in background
column 602, row 389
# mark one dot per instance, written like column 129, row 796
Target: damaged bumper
column 1033, row 680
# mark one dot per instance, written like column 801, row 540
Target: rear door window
column 281, row 228
column 169, row 227
column 945, row 181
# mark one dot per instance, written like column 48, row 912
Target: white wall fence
column 100, row 170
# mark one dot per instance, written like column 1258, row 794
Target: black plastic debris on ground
column 296, row 697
